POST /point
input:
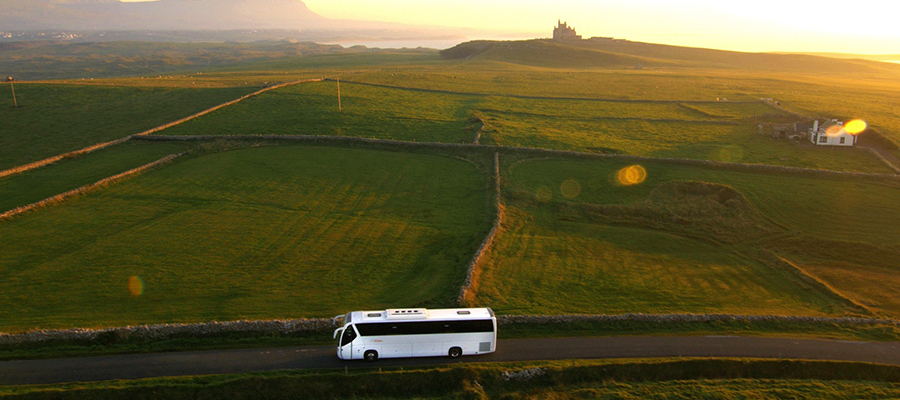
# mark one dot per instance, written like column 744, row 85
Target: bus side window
column 348, row 336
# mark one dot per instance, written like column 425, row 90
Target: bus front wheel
column 455, row 352
column 370, row 355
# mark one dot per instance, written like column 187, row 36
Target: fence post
column 15, row 103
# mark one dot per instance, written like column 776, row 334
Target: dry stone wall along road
column 24, row 372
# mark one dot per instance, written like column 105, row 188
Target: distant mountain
column 157, row 15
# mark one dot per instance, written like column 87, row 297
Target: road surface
column 324, row 357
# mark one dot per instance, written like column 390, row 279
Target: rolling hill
column 628, row 54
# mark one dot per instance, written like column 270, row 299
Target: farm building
column 795, row 131
column 831, row 133
column 828, row 133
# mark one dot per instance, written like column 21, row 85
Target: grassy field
column 67, row 174
column 845, row 209
column 279, row 232
column 725, row 134
column 685, row 239
column 312, row 109
column 61, row 60
column 708, row 131
column 608, row 379
column 546, row 266
column 56, row 119
column 812, row 93
column 272, row 232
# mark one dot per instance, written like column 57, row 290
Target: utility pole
column 10, row 80
column 339, row 95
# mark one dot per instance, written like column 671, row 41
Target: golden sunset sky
column 859, row 26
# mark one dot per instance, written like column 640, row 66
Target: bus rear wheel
column 370, row 355
column 455, row 352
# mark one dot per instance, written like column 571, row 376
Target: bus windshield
column 348, row 336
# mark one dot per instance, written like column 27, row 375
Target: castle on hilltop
column 564, row 32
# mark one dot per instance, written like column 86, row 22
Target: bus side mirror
column 337, row 332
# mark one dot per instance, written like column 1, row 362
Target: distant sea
column 440, row 44
column 399, row 44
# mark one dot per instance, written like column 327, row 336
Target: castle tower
column 564, row 32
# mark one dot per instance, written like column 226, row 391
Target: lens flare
column 728, row 154
column 834, row 130
column 855, row 127
column 544, row 194
column 135, row 286
column 570, row 189
column 632, row 175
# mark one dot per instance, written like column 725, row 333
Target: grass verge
column 663, row 378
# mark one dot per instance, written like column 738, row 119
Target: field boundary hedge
column 303, row 325
column 86, row 188
column 518, row 96
column 505, row 381
column 473, row 271
column 401, row 144
column 95, row 147
column 674, row 120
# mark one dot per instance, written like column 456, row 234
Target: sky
column 858, row 26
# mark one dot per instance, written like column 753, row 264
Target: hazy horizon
column 863, row 27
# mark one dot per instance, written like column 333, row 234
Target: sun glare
column 855, row 127
column 632, row 175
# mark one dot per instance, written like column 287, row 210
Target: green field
column 812, row 92
column 67, row 174
column 283, row 231
column 713, row 139
column 279, row 232
column 706, row 131
column 43, row 60
column 841, row 209
column 56, row 119
column 312, row 109
column 686, row 239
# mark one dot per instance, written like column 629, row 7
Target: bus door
column 345, row 346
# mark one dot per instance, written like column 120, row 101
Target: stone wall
column 740, row 167
column 321, row 325
column 86, row 188
column 473, row 271
column 92, row 148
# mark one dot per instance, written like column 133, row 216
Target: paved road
column 323, row 357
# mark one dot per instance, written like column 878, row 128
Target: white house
column 831, row 133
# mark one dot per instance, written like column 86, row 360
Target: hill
column 623, row 53
column 157, row 15
column 546, row 53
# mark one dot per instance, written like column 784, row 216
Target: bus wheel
column 455, row 352
column 370, row 355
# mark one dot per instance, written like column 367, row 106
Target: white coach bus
column 417, row 332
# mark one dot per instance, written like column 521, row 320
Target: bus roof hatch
column 415, row 313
